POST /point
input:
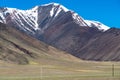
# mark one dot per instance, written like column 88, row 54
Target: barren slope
column 20, row 48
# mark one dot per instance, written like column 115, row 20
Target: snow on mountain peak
column 99, row 25
column 30, row 17
column 34, row 16
column 78, row 19
column 64, row 8
column 55, row 5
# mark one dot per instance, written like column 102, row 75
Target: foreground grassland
column 65, row 70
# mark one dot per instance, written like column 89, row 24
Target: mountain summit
column 64, row 29
column 41, row 17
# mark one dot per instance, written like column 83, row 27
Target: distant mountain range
column 66, row 30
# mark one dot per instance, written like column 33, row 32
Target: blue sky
column 105, row 11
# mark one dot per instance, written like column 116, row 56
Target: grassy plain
column 60, row 70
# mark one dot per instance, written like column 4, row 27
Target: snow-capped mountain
column 41, row 17
column 66, row 30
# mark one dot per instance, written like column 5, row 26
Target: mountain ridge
column 67, row 31
column 33, row 14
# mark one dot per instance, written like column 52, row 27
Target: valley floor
column 83, row 70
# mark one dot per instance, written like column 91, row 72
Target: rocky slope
column 102, row 47
column 19, row 48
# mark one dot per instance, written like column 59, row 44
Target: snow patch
column 52, row 12
column 97, row 24
column 64, row 8
column 79, row 20
column 33, row 14
column 58, row 11
column 2, row 18
column 57, row 4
